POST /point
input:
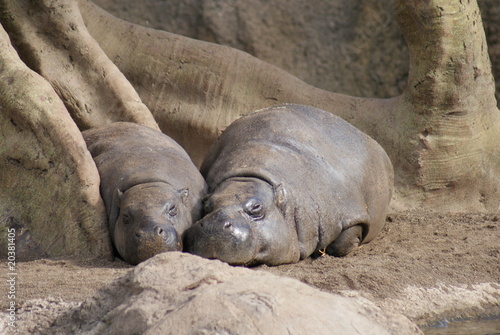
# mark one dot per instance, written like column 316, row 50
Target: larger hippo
column 151, row 189
column 289, row 181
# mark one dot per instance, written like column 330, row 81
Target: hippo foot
column 347, row 241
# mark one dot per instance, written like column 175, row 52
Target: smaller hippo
column 287, row 182
column 151, row 189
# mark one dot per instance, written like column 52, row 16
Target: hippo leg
column 348, row 240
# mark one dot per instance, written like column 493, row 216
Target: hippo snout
column 155, row 230
column 240, row 233
column 168, row 234
column 158, row 237
column 227, row 231
column 222, row 237
column 147, row 241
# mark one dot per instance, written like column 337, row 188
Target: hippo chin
column 287, row 182
column 151, row 189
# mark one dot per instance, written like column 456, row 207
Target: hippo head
column 244, row 224
column 151, row 220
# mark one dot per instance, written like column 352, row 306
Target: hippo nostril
column 167, row 234
column 138, row 234
column 227, row 225
column 159, row 231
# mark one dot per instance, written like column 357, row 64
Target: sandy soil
column 428, row 266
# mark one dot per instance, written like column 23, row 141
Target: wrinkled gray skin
column 151, row 189
column 287, row 182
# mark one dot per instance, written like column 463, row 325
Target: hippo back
column 335, row 175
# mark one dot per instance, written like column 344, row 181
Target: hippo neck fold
column 151, row 183
column 146, row 182
column 244, row 173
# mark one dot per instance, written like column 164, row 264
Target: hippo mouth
column 143, row 245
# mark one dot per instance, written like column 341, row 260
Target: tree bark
column 49, row 185
column 450, row 95
column 52, row 39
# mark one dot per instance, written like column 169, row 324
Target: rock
column 178, row 293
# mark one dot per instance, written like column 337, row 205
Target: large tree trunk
column 442, row 133
column 337, row 45
column 49, row 186
column 351, row 47
column 52, row 39
column 453, row 156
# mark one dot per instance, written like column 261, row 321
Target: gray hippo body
column 289, row 181
column 151, row 189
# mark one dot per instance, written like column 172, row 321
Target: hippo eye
column 126, row 218
column 254, row 208
column 172, row 210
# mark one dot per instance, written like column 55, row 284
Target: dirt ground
column 414, row 254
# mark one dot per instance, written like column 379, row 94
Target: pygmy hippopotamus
column 151, row 189
column 289, row 181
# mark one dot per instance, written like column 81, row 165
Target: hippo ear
column 184, row 194
column 280, row 195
